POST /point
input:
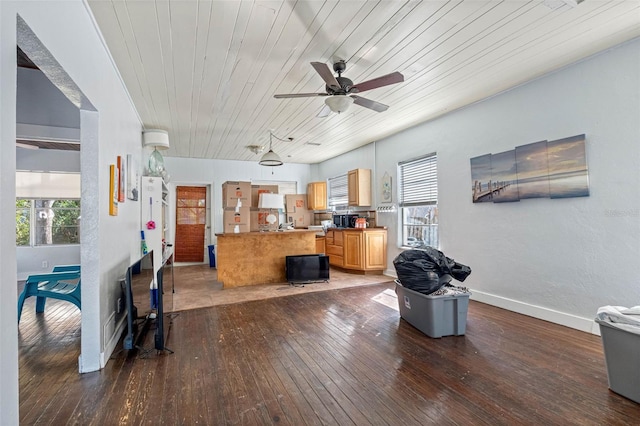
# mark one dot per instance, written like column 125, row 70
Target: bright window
column 47, row 222
column 338, row 193
column 418, row 190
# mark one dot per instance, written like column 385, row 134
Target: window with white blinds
column 338, row 193
column 418, row 182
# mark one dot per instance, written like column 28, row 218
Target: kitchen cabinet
column 359, row 250
column 359, row 187
column 375, row 254
column 317, row 196
column 155, row 211
column 333, row 247
column 353, row 250
column 320, row 245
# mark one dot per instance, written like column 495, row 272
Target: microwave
column 344, row 220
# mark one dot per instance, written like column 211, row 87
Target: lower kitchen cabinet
column 358, row 250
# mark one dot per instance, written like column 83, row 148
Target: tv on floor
column 307, row 268
column 145, row 308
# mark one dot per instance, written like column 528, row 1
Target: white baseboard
column 113, row 341
column 587, row 325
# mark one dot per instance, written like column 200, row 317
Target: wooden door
column 191, row 211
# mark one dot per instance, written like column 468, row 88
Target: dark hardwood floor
column 335, row 357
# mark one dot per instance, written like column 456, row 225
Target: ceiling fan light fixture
column 338, row 103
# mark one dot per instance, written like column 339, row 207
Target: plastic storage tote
column 435, row 316
column 622, row 356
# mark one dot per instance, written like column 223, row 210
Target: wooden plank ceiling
column 207, row 71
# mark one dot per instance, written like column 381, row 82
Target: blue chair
column 61, row 285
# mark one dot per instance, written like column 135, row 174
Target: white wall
column 35, row 96
column 556, row 259
column 66, row 29
column 190, row 171
column 8, row 303
column 47, row 112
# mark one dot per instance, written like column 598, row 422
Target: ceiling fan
column 340, row 91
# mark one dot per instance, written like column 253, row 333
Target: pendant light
column 271, row 159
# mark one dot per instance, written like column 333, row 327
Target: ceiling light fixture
column 256, row 149
column 338, row 103
column 271, row 159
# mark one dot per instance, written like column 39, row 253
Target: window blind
column 338, row 192
column 418, row 181
column 48, row 185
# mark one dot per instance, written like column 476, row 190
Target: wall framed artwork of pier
column 544, row 169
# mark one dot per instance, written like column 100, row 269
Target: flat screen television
column 143, row 306
column 165, row 303
column 307, row 268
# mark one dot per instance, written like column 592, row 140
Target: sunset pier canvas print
column 545, row 169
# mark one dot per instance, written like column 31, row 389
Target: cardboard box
column 435, row 316
column 234, row 191
column 241, row 219
column 256, row 190
column 300, row 219
column 259, row 220
column 296, row 203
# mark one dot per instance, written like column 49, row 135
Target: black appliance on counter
column 345, row 220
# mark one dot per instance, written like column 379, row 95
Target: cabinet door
column 359, row 187
column 353, row 250
column 375, row 250
column 317, row 195
column 352, row 187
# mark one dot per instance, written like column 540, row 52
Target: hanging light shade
column 158, row 139
column 338, row 103
column 270, row 158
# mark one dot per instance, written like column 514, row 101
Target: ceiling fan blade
column 324, row 112
column 368, row 103
column 385, row 80
column 299, row 95
column 326, row 74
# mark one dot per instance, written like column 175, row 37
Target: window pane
column 23, row 222
column 57, row 222
column 420, row 226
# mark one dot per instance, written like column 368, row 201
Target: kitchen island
column 252, row 258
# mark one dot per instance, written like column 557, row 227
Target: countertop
column 375, row 228
column 279, row 232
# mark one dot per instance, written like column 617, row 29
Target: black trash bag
column 426, row 270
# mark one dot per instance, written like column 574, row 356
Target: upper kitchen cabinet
column 359, row 181
column 317, row 195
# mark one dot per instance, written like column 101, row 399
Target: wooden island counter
column 251, row 258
